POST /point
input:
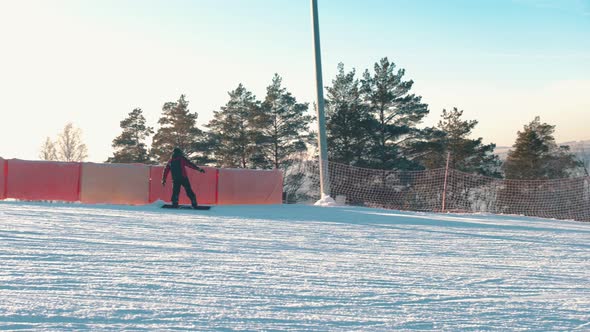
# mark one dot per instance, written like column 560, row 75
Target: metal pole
column 322, row 141
column 444, row 194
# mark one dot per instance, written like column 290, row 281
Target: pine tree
column 348, row 122
column 535, row 155
column 129, row 146
column 234, row 130
column 467, row 155
column 70, row 147
column 282, row 124
column 48, row 150
column 177, row 129
column 397, row 113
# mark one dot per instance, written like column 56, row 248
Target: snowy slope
column 290, row 267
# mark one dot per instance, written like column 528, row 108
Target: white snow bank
column 326, row 201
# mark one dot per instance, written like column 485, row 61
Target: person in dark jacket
column 176, row 165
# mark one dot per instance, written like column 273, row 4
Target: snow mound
column 326, row 200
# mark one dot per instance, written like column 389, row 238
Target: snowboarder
column 176, row 165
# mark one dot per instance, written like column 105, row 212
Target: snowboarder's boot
column 175, row 205
column 194, row 203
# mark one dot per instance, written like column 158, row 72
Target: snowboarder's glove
column 201, row 170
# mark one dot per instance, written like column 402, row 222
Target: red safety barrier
column 42, row 180
column 133, row 183
column 204, row 185
column 114, row 183
column 3, row 175
column 243, row 186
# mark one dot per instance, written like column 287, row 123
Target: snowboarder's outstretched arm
column 193, row 166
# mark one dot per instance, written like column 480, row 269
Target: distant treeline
column 371, row 120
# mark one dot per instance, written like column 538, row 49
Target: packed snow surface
column 290, row 267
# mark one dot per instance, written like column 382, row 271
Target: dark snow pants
column 184, row 182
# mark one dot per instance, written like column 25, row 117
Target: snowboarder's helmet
column 177, row 152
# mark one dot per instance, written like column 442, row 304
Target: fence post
column 150, row 184
column 444, row 193
column 217, row 186
column 79, row 189
column 5, row 179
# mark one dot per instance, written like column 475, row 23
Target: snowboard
column 187, row 207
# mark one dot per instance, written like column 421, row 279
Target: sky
column 91, row 62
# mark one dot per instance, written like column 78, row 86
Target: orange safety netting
column 204, row 185
column 243, row 186
column 114, row 183
column 42, row 180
